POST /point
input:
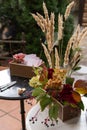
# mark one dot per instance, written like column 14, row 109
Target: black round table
column 12, row 92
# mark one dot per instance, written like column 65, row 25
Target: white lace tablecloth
column 77, row 123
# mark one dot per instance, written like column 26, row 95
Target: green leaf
column 53, row 111
column 44, row 102
column 37, row 91
column 69, row 80
column 81, row 105
column 77, row 68
column 40, row 96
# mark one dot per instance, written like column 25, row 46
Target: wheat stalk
column 76, row 37
column 52, row 29
column 56, row 59
column 67, row 52
column 82, row 35
column 79, row 36
column 45, row 12
column 74, row 59
column 60, row 27
column 68, row 9
column 39, row 22
column 47, row 55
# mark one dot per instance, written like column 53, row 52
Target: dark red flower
column 50, row 73
column 66, row 94
column 67, row 88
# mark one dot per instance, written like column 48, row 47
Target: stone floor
column 10, row 118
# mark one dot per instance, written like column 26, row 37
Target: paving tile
column 16, row 112
column 2, row 113
column 8, row 106
column 9, row 123
column 10, row 114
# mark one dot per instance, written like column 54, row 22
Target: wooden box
column 67, row 112
column 21, row 70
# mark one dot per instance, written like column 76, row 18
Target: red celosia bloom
column 66, row 94
column 50, row 73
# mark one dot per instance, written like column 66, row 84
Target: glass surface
column 12, row 92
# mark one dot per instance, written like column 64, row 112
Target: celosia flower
column 59, row 73
column 53, row 84
column 69, row 95
column 19, row 58
column 35, row 82
column 50, row 73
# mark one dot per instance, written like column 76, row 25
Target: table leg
column 22, row 114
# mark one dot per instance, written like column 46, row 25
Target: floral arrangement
column 29, row 60
column 54, row 84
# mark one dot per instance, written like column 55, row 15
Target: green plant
column 20, row 13
column 54, row 84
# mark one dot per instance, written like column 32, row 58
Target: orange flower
column 53, row 84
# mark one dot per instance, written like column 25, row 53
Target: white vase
column 37, row 120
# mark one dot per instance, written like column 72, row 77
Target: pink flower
column 19, row 58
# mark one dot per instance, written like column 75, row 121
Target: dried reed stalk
column 67, row 52
column 39, row 22
column 52, row 29
column 45, row 12
column 68, row 9
column 60, row 27
column 74, row 42
column 76, row 37
column 57, row 65
column 76, row 58
column 47, row 55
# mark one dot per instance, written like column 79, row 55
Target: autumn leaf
column 76, row 96
column 81, row 86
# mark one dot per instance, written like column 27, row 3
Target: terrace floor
column 10, row 117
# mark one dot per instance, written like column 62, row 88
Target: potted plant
column 53, row 85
